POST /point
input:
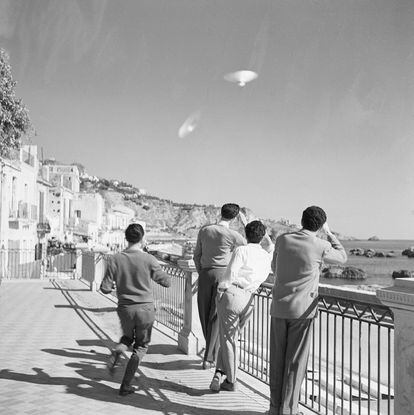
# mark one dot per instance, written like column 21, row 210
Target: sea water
column 379, row 270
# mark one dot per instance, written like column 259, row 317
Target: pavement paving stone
column 53, row 354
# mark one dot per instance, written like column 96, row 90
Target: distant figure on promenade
column 212, row 253
column 296, row 264
column 248, row 268
column 132, row 271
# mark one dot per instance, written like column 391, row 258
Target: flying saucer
column 189, row 125
column 241, row 77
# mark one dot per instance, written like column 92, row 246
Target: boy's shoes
column 215, row 383
column 126, row 390
column 228, row 386
column 113, row 361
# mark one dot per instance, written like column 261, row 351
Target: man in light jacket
column 297, row 262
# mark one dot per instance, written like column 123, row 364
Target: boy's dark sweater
column 132, row 272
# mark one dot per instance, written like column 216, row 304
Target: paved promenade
column 53, row 349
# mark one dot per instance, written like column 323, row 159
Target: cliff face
column 165, row 215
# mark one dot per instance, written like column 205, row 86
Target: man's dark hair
column 134, row 233
column 255, row 231
column 313, row 218
column 230, row 211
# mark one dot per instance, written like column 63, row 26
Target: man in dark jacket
column 132, row 271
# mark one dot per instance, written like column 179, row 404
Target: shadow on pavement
column 78, row 354
column 182, row 364
column 174, row 365
column 91, row 342
column 165, row 349
column 149, row 397
column 94, row 310
column 66, row 289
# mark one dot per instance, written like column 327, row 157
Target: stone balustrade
column 400, row 298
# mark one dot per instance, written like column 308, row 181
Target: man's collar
column 224, row 223
column 307, row 232
column 133, row 249
column 254, row 245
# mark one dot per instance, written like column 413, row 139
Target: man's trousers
column 234, row 308
column 136, row 322
column 289, row 351
column 206, row 300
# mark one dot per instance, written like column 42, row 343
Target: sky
column 329, row 121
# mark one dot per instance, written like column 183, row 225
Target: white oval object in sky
column 189, row 124
column 241, row 77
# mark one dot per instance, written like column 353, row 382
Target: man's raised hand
column 242, row 218
column 326, row 229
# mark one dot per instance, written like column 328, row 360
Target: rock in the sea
column 353, row 273
column 390, row 254
column 409, row 252
column 347, row 273
column 373, row 238
column 332, row 272
column 380, row 254
column 369, row 253
column 404, row 273
column 357, row 251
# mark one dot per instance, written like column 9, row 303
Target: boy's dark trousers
column 136, row 322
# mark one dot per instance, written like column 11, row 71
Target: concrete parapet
column 93, row 268
column 190, row 339
column 400, row 298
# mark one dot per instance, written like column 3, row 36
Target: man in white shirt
column 248, row 268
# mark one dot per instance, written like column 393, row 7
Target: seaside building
column 88, row 212
column 65, row 184
column 19, row 199
column 19, row 210
column 116, row 220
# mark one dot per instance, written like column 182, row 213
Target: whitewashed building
column 19, row 199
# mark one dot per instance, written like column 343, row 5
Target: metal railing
column 61, row 265
column 350, row 368
column 170, row 301
column 20, row 263
column 26, row 264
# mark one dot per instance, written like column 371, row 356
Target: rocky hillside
column 164, row 215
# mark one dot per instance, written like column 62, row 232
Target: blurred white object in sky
column 241, row 77
column 189, row 125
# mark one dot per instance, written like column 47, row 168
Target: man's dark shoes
column 126, row 390
column 228, row 386
column 215, row 382
column 113, row 361
column 208, row 365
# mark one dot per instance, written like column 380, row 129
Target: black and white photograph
column 207, row 207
